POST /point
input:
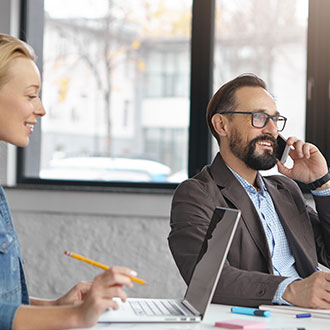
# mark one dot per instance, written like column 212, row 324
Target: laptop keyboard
column 155, row 307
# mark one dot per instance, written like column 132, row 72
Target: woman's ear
column 219, row 123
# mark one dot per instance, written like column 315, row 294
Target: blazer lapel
column 233, row 191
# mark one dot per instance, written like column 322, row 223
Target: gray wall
column 115, row 229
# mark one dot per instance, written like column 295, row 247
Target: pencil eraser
column 241, row 324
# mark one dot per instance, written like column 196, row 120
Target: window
column 168, row 72
column 126, row 84
column 116, row 87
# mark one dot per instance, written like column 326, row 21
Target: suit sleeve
column 192, row 209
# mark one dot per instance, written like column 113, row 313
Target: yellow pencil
column 98, row 264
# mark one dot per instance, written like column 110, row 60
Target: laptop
column 193, row 306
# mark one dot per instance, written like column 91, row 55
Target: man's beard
column 248, row 154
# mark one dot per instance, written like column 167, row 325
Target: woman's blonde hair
column 11, row 48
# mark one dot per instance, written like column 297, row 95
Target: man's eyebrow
column 264, row 110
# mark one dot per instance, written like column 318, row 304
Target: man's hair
column 11, row 48
column 224, row 99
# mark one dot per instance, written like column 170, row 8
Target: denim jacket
column 13, row 290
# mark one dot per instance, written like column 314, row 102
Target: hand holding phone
column 282, row 149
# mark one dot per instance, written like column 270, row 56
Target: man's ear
column 219, row 123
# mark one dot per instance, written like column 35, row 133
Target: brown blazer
column 247, row 278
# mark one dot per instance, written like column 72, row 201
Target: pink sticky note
column 241, row 324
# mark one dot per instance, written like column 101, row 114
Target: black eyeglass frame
column 274, row 118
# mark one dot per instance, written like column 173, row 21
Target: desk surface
column 218, row 313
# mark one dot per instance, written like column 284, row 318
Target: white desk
column 217, row 313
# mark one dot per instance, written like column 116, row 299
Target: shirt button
column 4, row 245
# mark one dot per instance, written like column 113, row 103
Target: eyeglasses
column 261, row 119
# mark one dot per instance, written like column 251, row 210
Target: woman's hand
column 81, row 307
column 76, row 295
column 99, row 297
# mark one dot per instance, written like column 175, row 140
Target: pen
column 98, row 264
column 299, row 316
column 250, row 311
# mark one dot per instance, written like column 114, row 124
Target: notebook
column 199, row 293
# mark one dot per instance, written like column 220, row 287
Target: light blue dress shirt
column 13, row 290
column 282, row 258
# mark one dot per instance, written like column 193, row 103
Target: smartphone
column 282, row 149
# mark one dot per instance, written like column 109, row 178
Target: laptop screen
column 212, row 257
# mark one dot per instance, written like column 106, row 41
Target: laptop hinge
column 191, row 308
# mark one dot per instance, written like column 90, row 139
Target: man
column 280, row 240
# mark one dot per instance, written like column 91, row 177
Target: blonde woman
column 20, row 107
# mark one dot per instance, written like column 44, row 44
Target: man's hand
column 311, row 292
column 308, row 162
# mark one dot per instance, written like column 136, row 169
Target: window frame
column 318, row 77
column 201, row 90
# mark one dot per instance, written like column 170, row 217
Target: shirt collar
column 249, row 187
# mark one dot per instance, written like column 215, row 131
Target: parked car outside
column 106, row 169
